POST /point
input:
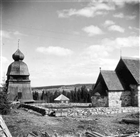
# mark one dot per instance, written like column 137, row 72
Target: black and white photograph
column 69, row 68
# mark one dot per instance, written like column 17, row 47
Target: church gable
column 128, row 72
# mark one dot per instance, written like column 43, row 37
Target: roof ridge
column 107, row 71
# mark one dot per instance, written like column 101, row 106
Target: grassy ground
column 22, row 122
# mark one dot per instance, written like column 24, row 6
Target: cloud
column 108, row 23
column 96, row 51
column 3, row 66
column 121, row 15
column 116, row 28
column 5, row 34
column 58, row 51
column 118, row 15
column 106, row 46
column 121, row 3
column 130, row 17
column 112, row 27
column 131, row 41
column 133, row 28
column 95, row 56
column 91, row 10
column 95, row 8
column 18, row 33
column 93, row 30
column 3, row 59
column 123, row 42
column 108, row 63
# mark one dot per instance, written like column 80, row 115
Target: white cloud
column 96, row 56
column 108, row 45
column 96, row 51
column 133, row 28
column 91, row 10
column 18, row 33
column 108, row 23
column 100, row 13
column 95, row 8
column 116, row 28
column 3, row 66
column 123, row 42
column 121, row 3
column 5, row 34
column 118, row 15
column 130, row 17
column 93, row 30
column 121, row 15
column 108, row 63
column 58, row 51
column 131, row 41
column 3, row 59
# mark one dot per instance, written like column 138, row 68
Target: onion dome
column 18, row 55
column 18, row 67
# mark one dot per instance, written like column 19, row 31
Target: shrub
column 4, row 104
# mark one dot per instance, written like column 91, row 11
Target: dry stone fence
column 80, row 112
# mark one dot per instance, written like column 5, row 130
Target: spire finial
column 120, row 53
column 18, row 43
column 100, row 69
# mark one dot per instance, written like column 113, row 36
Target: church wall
column 114, row 99
column 99, row 101
column 119, row 98
column 23, row 88
column 12, row 91
column 135, row 95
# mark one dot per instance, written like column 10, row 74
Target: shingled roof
column 111, row 80
column 133, row 65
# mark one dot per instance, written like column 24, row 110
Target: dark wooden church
column 18, row 83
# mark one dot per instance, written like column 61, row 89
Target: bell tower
column 18, row 83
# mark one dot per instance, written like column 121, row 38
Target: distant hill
column 61, row 87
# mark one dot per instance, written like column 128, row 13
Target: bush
column 4, row 104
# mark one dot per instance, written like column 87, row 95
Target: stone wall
column 80, row 112
column 85, row 112
column 119, row 99
column 99, row 101
column 135, row 95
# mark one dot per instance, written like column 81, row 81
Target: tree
column 42, row 95
column 35, row 95
column 4, row 103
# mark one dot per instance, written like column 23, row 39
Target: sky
column 68, row 41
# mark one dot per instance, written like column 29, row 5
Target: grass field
column 22, row 122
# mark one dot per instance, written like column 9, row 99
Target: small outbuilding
column 62, row 99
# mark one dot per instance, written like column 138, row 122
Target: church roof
column 111, row 80
column 133, row 65
column 61, row 97
column 18, row 68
